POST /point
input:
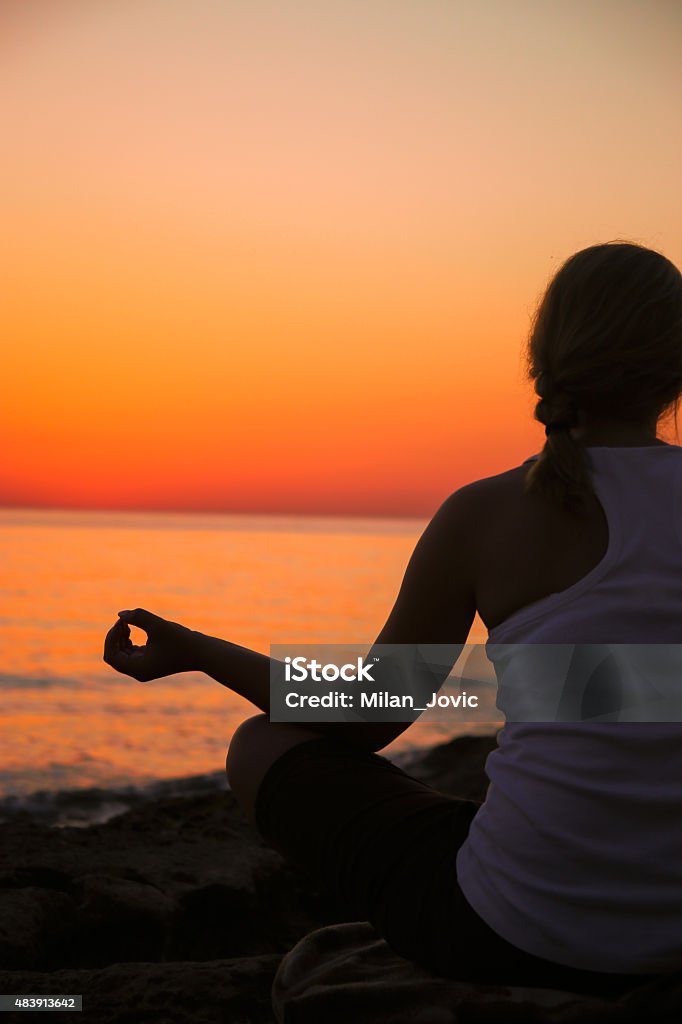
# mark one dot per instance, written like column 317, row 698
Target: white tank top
column 576, row 854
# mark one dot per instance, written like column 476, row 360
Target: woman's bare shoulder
column 481, row 514
column 520, row 545
column 492, row 494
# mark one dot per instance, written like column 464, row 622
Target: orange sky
column 282, row 257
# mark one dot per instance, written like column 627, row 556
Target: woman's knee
column 243, row 739
column 255, row 745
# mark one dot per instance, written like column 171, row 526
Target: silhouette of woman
column 570, row 873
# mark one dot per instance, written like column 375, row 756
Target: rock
column 212, row 992
column 35, row 926
column 184, row 878
column 121, row 919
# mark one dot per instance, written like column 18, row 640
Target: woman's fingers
column 126, row 642
column 113, row 642
column 118, row 645
column 160, row 656
column 140, row 617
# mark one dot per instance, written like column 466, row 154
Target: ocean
column 70, row 723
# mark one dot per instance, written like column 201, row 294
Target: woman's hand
column 169, row 648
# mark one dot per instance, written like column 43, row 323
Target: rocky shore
column 175, row 911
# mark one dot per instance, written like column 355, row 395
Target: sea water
column 68, row 721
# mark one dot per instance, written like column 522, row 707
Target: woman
column 570, row 873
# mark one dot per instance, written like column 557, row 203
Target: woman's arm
column 435, row 605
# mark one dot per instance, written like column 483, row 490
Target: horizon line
column 211, row 512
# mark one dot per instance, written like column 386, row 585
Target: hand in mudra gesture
column 169, row 647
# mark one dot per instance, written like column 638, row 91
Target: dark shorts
column 381, row 846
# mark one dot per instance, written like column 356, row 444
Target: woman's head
column 605, row 345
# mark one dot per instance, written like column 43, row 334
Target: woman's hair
column 605, row 343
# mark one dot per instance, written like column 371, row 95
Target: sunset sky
column 265, row 256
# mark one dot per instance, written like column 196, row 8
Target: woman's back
column 577, row 852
